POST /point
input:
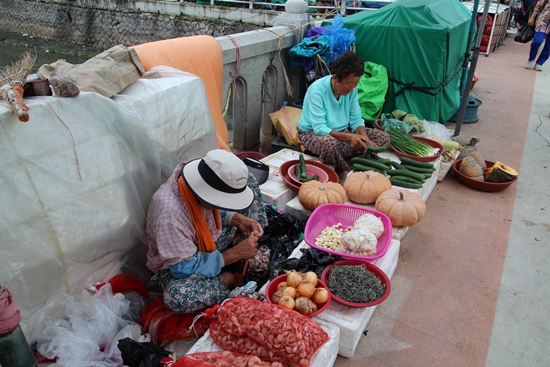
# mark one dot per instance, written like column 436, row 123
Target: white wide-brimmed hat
column 219, row 180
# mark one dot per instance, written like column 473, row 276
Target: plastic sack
column 84, row 332
column 525, row 35
column 225, row 358
column 340, row 38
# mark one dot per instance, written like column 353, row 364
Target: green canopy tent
column 422, row 44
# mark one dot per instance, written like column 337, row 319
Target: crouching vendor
column 331, row 125
column 193, row 223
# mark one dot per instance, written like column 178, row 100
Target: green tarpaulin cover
column 422, row 44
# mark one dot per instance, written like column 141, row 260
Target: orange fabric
column 199, row 55
column 206, row 241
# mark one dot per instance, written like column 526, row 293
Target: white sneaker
column 538, row 67
column 529, row 64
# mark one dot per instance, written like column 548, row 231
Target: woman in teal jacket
column 331, row 125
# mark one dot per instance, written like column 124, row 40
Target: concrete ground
column 472, row 282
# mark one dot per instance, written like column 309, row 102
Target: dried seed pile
column 273, row 333
column 354, row 283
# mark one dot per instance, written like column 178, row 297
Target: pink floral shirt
column 170, row 233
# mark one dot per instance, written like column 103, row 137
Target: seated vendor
column 331, row 125
column 188, row 246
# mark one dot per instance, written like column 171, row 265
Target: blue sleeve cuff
column 207, row 264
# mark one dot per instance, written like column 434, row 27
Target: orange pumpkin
column 404, row 207
column 364, row 187
column 314, row 193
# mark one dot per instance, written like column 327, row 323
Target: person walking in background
column 522, row 13
column 540, row 16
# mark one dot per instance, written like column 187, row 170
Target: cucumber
column 303, row 168
column 370, row 163
column 404, row 184
column 360, row 168
column 375, row 150
column 408, row 179
column 406, row 172
column 397, row 165
column 412, row 162
column 418, row 169
column 376, row 158
column 298, row 171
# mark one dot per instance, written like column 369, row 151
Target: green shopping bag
column 372, row 89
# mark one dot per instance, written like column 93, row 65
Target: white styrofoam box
column 276, row 159
column 325, row 356
column 275, row 192
column 353, row 321
column 295, row 208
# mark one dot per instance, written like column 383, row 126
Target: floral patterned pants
column 197, row 292
column 333, row 151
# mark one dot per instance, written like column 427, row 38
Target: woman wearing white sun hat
column 188, row 242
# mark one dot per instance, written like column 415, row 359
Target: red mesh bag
column 225, row 358
column 164, row 324
column 271, row 332
column 122, row 283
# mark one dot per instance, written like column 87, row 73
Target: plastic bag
column 340, row 38
column 90, row 322
column 136, row 354
column 388, row 122
column 525, row 35
column 311, row 260
column 372, row 89
column 435, row 129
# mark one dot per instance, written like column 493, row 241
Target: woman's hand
column 246, row 249
column 247, row 226
column 532, row 19
column 362, row 132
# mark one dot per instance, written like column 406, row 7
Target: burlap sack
column 107, row 73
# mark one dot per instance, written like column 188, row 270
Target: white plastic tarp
column 76, row 181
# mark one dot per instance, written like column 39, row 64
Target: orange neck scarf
column 206, row 241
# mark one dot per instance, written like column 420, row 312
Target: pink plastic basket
column 327, row 215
